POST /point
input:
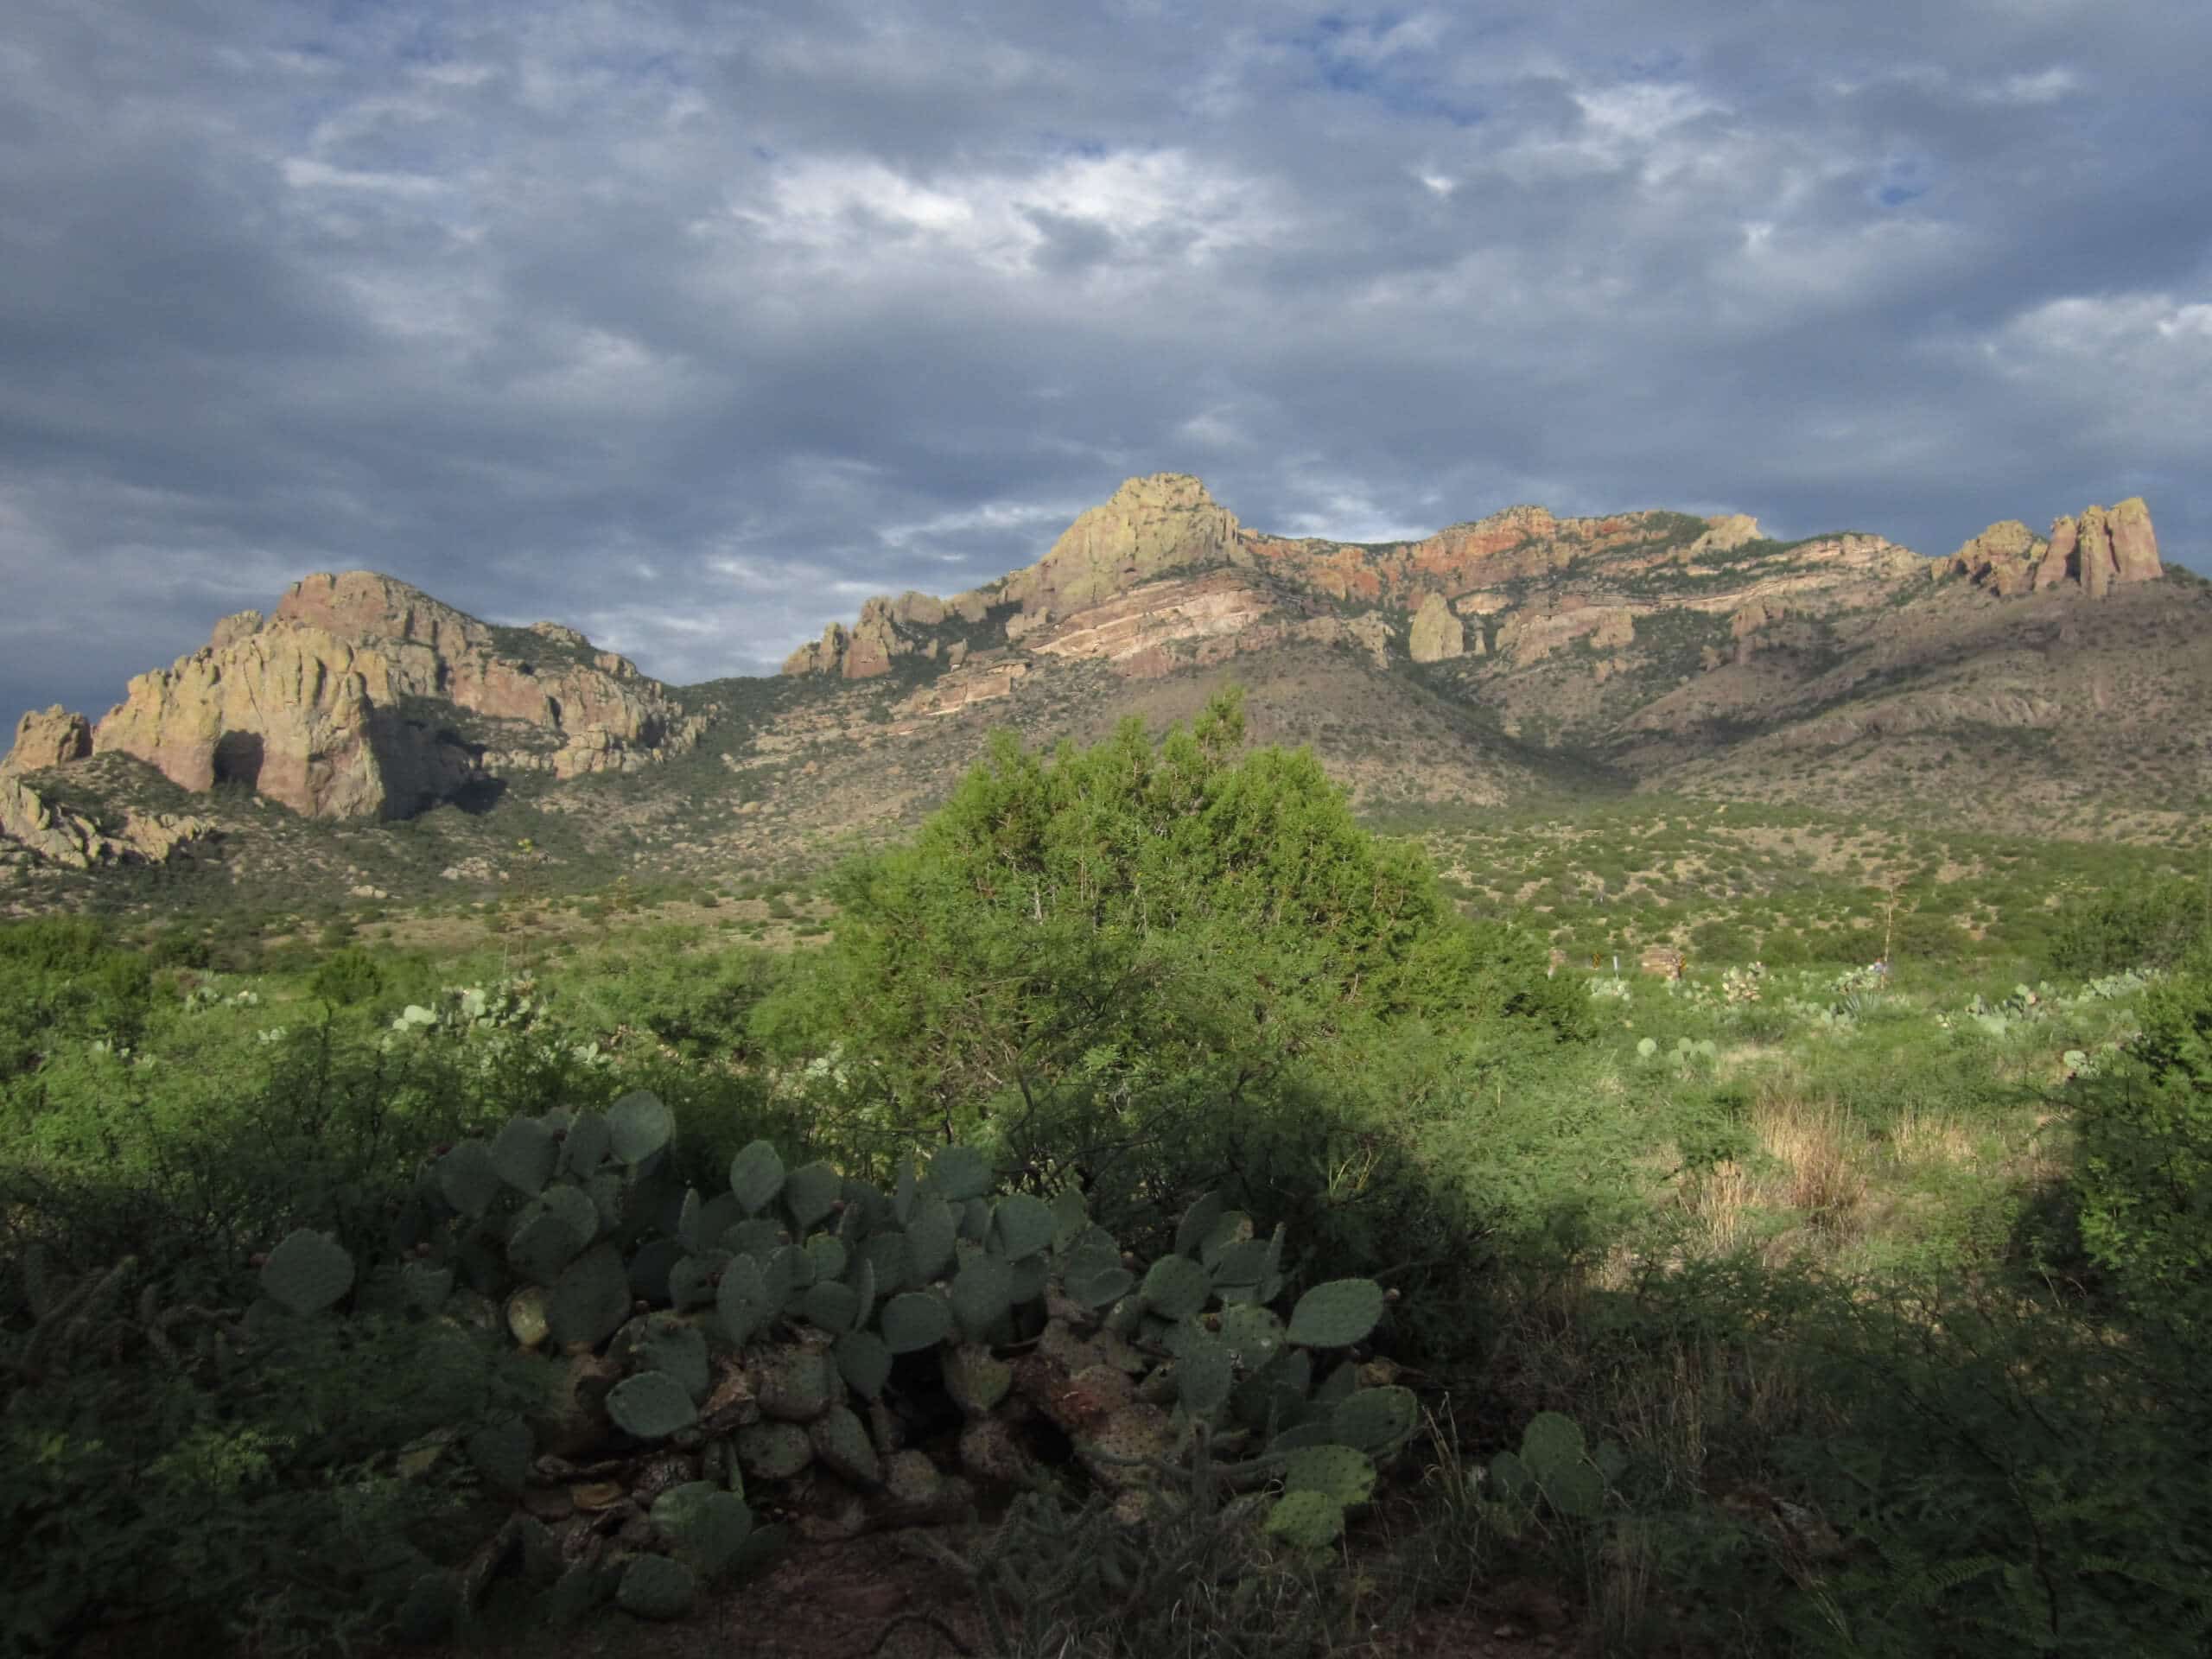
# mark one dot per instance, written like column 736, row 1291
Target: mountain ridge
column 1642, row 650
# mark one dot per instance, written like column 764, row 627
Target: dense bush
column 1103, row 944
column 2141, row 925
column 63, row 979
column 2144, row 1175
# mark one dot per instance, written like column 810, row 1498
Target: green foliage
column 2142, row 925
column 2145, row 1170
column 1070, row 932
column 347, row 977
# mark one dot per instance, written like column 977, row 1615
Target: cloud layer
column 693, row 323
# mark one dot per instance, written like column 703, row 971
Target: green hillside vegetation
column 1410, row 1277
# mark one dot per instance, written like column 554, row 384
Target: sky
column 692, row 323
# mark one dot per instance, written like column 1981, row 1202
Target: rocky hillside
column 1673, row 651
column 2062, row 683
column 361, row 698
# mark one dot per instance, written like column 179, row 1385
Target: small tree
column 1077, row 941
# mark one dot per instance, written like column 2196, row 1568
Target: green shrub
column 2149, row 925
column 347, row 976
column 2145, row 1168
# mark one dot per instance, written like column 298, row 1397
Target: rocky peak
column 308, row 706
column 51, row 738
column 1725, row 533
column 363, row 605
column 2093, row 552
column 235, row 627
column 1148, row 525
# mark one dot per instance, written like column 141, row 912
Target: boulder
column 72, row 841
column 53, row 737
column 2134, row 543
column 2094, row 552
column 236, row 626
column 2004, row 558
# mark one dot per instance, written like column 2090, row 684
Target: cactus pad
column 843, row 1447
column 1551, row 1440
column 654, row 1586
column 756, row 1175
column 916, row 1320
column 830, row 1306
column 742, row 1300
column 1376, row 1420
column 864, row 1362
column 1254, row 1335
column 651, row 1406
column 590, row 1299
column 959, row 1173
column 887, row 1253
column 468, row 1178
column 573, row 1206
column 1307, row 1520
column 811, row 1192
column 542, row 1244
column 930, row 1233
column 1230, row 1230
column 1337, row 1315
column 680, row 1350
column 1177, row 1287
column 638, row 1126
column 525, row 1314
column 797, row 1384
column 524, row 1154
column 1347, row 1476
column 1240, row 1262
column 501, row 1452
column 585, row 1145
column 982, row 1295
column 1203, row 1374
column 1100, row 1287
column 707, row 1525
column 1576, row 1490
column 307, row 1272
column 773, row 1450
column 976, row 1378
column 1022, row 1224
column 762, row 1237
column 911, row 1481
column 1197, row 1221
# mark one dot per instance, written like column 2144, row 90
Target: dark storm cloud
column 694, row 324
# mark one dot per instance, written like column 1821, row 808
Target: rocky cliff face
column 2094, row 552
column 1437, row 635
column 330, row 704
column 294, row 713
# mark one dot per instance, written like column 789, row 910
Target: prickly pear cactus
column 307, row 1273
column 704, row 1345
column 657, row 1587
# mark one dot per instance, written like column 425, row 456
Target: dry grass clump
column 1810, row 1163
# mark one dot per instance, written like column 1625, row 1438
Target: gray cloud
column 693, row 324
